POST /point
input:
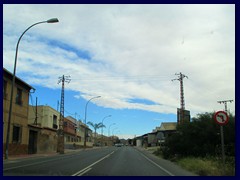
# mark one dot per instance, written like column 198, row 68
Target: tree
column 95, row 127
column 201, row 137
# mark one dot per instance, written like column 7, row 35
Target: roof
column 47, row 107
column 17, row 80
column 168, row 126
column 72, row 119
column 153, row 132
column 69, row 120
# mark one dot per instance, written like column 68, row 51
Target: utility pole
column 35, row 122
column 222, row 136
column 182, row 103
column 60, row 145
column 57, row 105
column 225, row 103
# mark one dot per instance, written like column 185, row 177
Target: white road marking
column 158, row 165
column 31, row 164
column 28, row 165
column 84, row 172
column 86, row 168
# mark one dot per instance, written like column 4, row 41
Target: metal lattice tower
column 60, row 147
column 182, row 102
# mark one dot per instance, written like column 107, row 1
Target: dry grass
column 206, row 166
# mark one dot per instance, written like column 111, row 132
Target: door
column 32, row 143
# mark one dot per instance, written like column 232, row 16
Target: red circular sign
column 221, row 117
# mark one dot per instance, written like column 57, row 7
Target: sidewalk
column 25, row 156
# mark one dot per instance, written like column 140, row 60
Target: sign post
column 222, row 118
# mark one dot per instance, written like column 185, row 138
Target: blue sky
column 128, row 55
column 127, row 122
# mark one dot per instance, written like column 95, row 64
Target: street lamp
column 53, row 20
column 109, row 128
column 86, row 119
column 113, row 134
column 102, row 125
column 113, row 130
column 117, row 132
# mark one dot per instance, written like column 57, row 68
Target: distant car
column 97, row 144
column 118, row 145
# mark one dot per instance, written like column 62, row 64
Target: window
column 55, row 122
column 4, row 89
column 17, row 133
column 19, row 96
column 54, row 119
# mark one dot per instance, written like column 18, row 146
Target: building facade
column 44, row 116
column 43, row 125
column 74, row 133
column 70, row 133
column 19, row 133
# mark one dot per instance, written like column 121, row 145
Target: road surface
column 106, row 161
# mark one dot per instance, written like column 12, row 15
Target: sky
column 128, row 54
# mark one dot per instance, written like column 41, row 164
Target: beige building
column 19, row 133
column 89, row 136
column 43, row 116
column 43, row 125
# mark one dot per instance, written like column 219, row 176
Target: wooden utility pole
column 36, row 117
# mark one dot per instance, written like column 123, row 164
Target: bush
column 200, row 138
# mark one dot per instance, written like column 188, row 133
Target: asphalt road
column 107, row 161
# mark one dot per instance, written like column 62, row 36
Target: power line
column 124, row 78
column 69, row 112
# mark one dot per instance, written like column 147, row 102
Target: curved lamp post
column 53, row 20
column 117, row 132
column 113, row 134
column 109, row 128
column 85, row 133
column 114, row 130
column 102, row 126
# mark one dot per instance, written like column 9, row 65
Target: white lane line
column 86, row 168
column 29, row 164
column 84, row 172
column 158, row 165
column 36, row 163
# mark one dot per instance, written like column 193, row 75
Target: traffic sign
column 221, row 117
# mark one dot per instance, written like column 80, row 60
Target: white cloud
column 133, row 54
